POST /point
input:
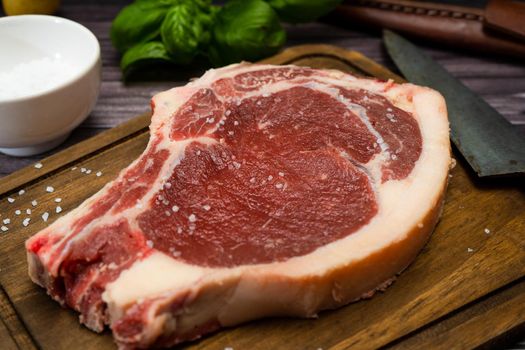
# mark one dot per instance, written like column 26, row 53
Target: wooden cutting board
column 466, row 288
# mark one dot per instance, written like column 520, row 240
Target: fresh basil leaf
column 143, row 54
column 203, row 4
column 141, row 21
column 245, row 30
column 185, row 31
column 137, row 23
column 301, row 11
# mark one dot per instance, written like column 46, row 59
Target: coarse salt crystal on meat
column 346, row 218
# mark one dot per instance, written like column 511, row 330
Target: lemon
column 23, row 7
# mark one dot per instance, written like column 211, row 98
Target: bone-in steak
column 264, row 190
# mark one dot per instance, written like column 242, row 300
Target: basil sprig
column 182, row 31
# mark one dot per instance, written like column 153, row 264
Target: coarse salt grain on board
column 58, row 200
column 4, row 228
column 45, row 216
column 10, row 200
column 34, row 203
column 38, row 165
column 346, row 224
column 26, row 222
column 21, row 192
column 50, row 189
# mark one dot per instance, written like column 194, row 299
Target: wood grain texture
column 501, row 82
column 460, row 267
column 13, row 334
column 469, row 328
column 6, row 342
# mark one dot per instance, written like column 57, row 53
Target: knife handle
column 506, row 16
column 455, row 26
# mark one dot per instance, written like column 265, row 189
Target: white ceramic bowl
column 37, row 121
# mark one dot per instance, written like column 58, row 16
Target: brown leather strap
column 451, row 25
column 507, row 16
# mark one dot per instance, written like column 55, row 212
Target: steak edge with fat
column 264, row 190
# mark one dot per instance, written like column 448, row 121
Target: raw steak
column 264, row 190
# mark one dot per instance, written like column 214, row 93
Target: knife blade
column 489, row 143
